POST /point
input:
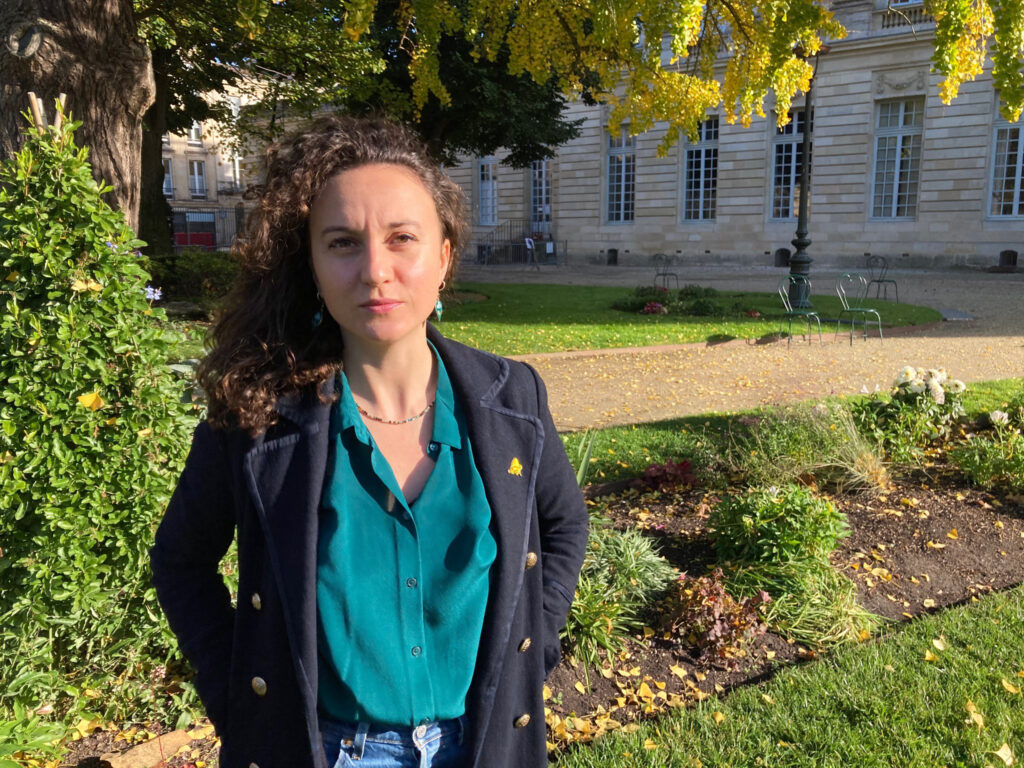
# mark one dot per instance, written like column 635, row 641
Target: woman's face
column 378, row 253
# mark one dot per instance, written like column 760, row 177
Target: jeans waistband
column 406, row 735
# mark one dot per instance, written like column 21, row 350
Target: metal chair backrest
column 878, row 267
column 852, row 288
column 793, row 285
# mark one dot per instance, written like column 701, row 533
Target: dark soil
column 928, row 541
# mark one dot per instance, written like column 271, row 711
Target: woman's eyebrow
column 350, row 230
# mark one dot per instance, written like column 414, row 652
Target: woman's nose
column 376, row 264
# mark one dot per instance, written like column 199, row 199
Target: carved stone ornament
column 901, row 83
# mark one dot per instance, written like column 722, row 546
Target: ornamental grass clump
column 922, row 408
column 93, row 435
column 778, row 540
column 801, row 443
column 622, row 574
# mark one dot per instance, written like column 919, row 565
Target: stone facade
column 874, row 99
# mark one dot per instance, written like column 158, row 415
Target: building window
column 195, row 133
column 1007, row 171
column 700, row 182
column 487, row 192
column 197, row 179
column 898, row 138
column 168, row 178
column 621, row 177
column 540, row 196
column 787, row 164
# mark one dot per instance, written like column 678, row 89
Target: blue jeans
column 361, row 745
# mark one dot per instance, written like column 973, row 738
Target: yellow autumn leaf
column 953, row 534
column 974, row 716
column 933, row 545
column 546, row 692
column 1005, row 754
column 677, row 671
column 580, row 687
column 78, row 286
column 928, row 603
column 86, row 726
column 11, row 277
column 644, row 691
column 718, row 717
column 929, row 656
column 92, row 401
column 648, row 632
column 940, row 643
column 1010, row 686
column 649, row 744
column 767, row 699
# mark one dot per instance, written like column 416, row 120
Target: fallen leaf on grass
column 929, row 656
column 974, row 716
column 649, row 744
column 718, row 717
column 1010, row 686
column 1005, row 754
column 940, row 643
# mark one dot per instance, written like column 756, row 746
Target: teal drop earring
column 438, row 306
column 318, row 316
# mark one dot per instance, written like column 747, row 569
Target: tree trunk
column 91, row 52
column 155, row 224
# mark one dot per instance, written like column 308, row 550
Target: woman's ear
column 446, row 258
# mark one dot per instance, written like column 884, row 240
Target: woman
column 409, row 528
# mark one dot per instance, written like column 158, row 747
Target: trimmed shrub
column 772, row 525
column 93, row 435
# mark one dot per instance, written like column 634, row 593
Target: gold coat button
column 257, row 602
column 259, row 685
column 525, row 645
column 531, row 560
column 522, row 721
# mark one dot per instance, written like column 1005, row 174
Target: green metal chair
column 852, row 289
column 878, row 269
column 797, row 285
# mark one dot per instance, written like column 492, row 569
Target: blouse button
column 433, row 447
column 410, row 583
column 525, row 645
column 259, row 685
column 416, row 650
column 531, row 560
column 257, row 602
column 522, row 721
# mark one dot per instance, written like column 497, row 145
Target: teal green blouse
column 401, row 588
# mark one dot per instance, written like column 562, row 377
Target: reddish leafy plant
column 671, row 474
column 704, row 616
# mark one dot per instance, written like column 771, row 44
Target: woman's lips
column 380, row 305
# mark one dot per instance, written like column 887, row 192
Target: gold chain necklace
column 382, row 420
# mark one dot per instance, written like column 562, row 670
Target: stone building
column 895, row 172
column 203, row 183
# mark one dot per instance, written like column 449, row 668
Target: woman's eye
column 341, row 242
column 404, row 237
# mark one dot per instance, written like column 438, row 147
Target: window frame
column 790, row 135
column 197, row 191
column 900, row 132
column 705, row 151
column 620, row 182
column 487, row 207
column 168, row 185
column 540, row 209
column 1002, row 124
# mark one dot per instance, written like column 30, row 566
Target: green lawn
column 899, row 701
column 622, row 452
column 523, row 319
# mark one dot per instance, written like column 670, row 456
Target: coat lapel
column 506, row 447
column 285, row 473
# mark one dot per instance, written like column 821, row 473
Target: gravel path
column 613, row 387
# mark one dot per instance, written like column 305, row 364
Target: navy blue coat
column 256, row 664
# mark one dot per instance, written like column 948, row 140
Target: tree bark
column 155, row 224
column 90, row 50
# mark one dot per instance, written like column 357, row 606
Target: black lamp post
column 800, row 262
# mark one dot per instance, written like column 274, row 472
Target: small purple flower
column 138, row 254
column 111, row 246
column 153, row 294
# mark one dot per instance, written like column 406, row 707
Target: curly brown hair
column 263, row 344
